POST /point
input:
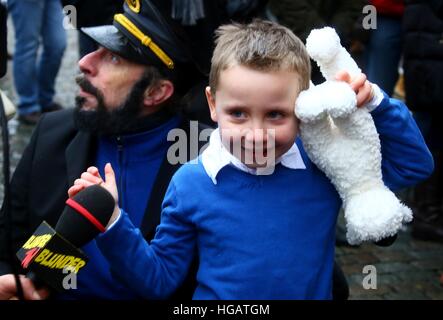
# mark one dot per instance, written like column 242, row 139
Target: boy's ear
column 211, row 102
column 158, row 93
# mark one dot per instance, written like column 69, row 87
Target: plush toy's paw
column 323, row 44
column 374, row 215
column 331, row 97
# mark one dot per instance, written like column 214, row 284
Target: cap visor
column 112, row 39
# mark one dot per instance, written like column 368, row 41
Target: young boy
column 257, row 212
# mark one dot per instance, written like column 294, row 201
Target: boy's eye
column 275, row 115
column 237, row 114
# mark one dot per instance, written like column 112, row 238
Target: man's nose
column 89, row 63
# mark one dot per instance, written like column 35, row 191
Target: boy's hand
column 90, row 177
column 361, row 86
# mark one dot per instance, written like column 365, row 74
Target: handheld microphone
column 49, row 253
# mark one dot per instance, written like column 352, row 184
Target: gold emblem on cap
column 145, row 40
column 134, row 5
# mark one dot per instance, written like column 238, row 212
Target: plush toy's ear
column 323, row 46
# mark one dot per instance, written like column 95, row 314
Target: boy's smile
column 255, row 113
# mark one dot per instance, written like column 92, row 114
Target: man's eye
column 115, row 58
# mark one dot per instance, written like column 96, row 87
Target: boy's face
column 255, row 113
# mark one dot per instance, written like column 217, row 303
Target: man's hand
column 8, row 289
column 90, row 177
column 361, row 86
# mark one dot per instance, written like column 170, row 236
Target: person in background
column 90, row 14
column 302, row 16
column 384, row 49
column 36, row 22
column 423, row 73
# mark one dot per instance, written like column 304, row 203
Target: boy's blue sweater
column 257, row 237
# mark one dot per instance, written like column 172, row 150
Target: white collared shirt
column 216, row 157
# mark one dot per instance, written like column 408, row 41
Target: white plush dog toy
column 343, row 142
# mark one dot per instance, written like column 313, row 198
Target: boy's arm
column 406, row 159
column 154, row 271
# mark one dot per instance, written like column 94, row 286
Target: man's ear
column 211, row 102
column 158, row 93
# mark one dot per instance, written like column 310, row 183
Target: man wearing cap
column 128, row 102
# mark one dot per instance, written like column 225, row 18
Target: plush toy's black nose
column 386, row 242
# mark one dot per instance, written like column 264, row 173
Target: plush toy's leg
column 372, row 211
column 374, row 215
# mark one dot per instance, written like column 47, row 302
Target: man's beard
column 104, row 120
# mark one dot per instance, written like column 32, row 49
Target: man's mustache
column 86, row 85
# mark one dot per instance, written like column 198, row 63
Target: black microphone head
column 76, row 224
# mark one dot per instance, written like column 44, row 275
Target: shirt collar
column 216, row 157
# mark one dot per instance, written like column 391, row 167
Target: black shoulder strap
column 153, row 210
column 79, row 154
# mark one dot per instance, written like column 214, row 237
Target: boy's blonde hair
column 260, row 45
